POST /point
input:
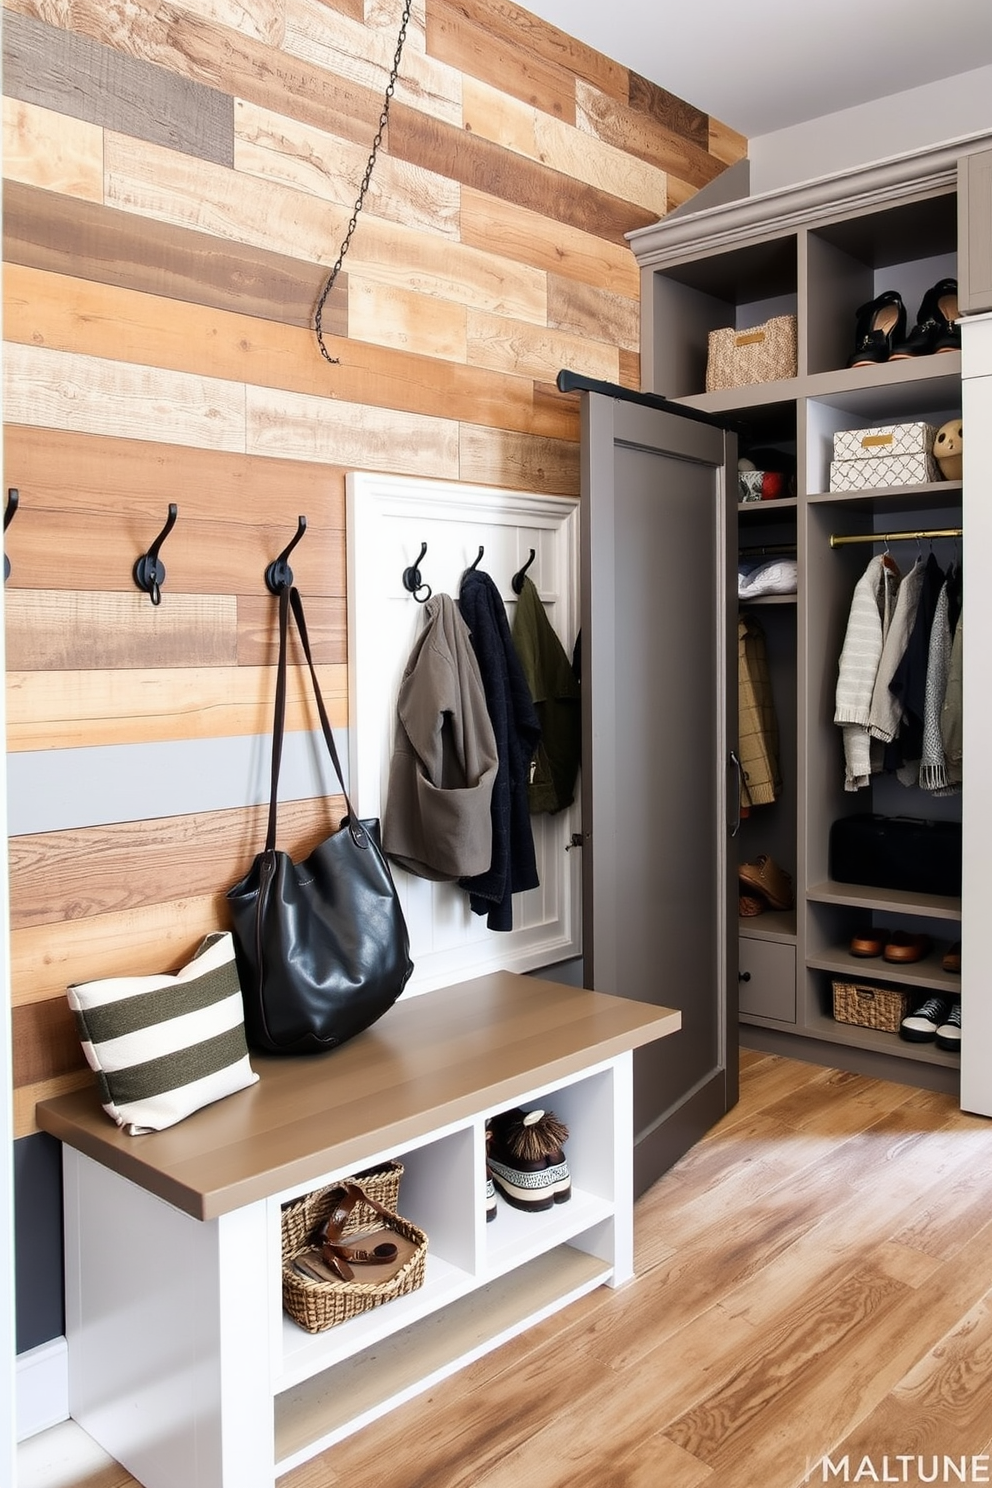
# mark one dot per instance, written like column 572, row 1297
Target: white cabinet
column 182, row 1363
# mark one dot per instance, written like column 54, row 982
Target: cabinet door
column 975, row 232
column 659, row 685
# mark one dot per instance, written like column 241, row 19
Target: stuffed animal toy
column 947, row 447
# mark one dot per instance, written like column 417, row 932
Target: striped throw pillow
column 163, row 1046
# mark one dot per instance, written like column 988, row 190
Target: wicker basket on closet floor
column 882, row 1008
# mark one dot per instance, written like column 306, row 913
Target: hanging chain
column 366, row 179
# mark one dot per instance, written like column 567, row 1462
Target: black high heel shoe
column 881, row 324
column 934, row 330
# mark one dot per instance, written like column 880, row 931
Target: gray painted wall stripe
column 49, row 790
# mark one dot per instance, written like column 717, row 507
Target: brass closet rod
column 837, row 541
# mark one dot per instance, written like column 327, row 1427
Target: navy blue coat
column 518, row 731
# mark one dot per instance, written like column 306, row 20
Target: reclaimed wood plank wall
column 178, row 177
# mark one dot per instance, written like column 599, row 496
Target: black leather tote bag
column 322, row 946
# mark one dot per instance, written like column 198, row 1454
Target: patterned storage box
column 889, row 439
column 890, row 455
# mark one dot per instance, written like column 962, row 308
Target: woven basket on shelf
column 303, row 1217
column 316, row 1305
column 882, row 1008
column 764, row 353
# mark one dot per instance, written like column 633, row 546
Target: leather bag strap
column 289, row 597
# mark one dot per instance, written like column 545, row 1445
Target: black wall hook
column 149, row 571
column 517, row 582
column 279, row 575
column 13, row 497
column 477, row 561
column 412, row 581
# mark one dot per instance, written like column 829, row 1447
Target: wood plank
column 71, row 710
column 48, row 630
column 91, row 474
column 471, row 47
column 511, row 345
column 572, row 152
column 44, row 1042
column 147, row 939
column 363, row 55
column 517, row 27
column 487, row 166
column 222, row 54
column 26, row 1099
column 726, row 144
column 518, row 462
column 673, row 114
column 72, row 74
column 594, row 314
column 258, row 639
column 273, row 147
column 937, row 1410
column 638, row 134
column 91, row 871
column 630, row 369
column 201, row 557
column 60, row 390
column 51, row 152
column 385, row 315
column 333, row 432
column 85, row 240
column 530, row 237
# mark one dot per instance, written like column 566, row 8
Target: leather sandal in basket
column 333, row 1259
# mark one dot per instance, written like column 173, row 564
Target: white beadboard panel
column 51, row 790
column 388, row 519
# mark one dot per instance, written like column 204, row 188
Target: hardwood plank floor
column 813, row 1303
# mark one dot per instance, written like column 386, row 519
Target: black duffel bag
column 897, row 852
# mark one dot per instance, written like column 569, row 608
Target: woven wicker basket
column 764, row 353
column 882, row 1008
column 303, row 1217
column 317, row 1305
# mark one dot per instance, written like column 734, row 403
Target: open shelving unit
column 818, row 251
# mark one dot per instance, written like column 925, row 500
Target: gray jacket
column 438, row 821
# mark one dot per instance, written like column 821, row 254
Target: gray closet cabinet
column 818, row 251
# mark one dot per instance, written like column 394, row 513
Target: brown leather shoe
column 766, row 878
column 868, row 942
column 903, row 946
column 952, row 957
column 749, row 905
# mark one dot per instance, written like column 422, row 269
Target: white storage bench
column 182, row 1363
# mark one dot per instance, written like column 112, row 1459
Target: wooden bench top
column 431, row 1060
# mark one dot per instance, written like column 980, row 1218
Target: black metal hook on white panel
column 279, row 575
column 517, row 582
column 412, row 582
column 149, row 570
column 13, row 497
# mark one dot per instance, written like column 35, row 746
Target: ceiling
column 762, row 65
